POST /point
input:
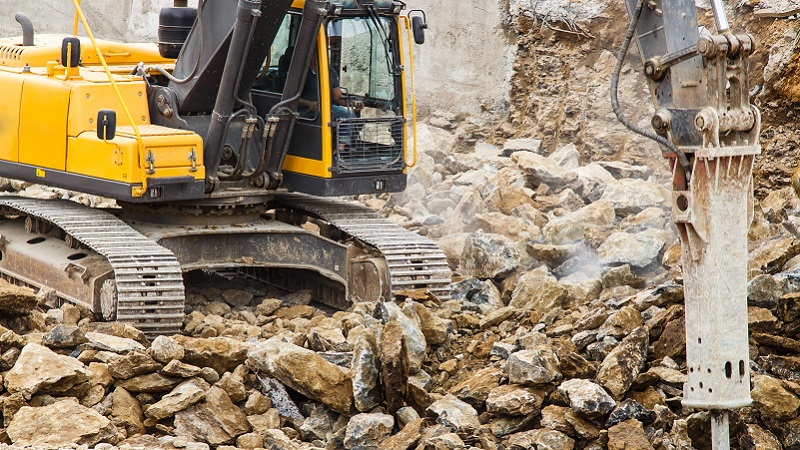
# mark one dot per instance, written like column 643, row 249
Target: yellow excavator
column 222, row 144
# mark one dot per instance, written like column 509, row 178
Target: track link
column 147, row 291
column 414, row 261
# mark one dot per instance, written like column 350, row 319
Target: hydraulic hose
column 670, row 147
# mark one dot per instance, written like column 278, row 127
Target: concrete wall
column 465, row 64
column 132, row 20
column 462, row 68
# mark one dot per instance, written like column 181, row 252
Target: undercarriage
column 127, row 264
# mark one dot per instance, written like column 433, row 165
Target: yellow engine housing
column 48, row 132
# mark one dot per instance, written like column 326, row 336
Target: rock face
column 60, row 424
column 305, row 372
column 39, row 370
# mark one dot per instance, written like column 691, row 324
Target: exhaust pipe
column 27, row 29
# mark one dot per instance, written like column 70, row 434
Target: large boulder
column 571, row 227
column 489, row 256
column 222, row 354
column 537, row 290
column 638, row 250
column 368, row 431
column 60, row 425
column 586, row 398
column 39, row 370
column 632, row 196
column 183, row 396
column 538, row 365
column 304, row 371
column 620, row 367
column 216, row 420
column 16, row 300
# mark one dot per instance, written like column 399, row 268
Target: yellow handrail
column 413, row 86
column 75, row 23
column 79, row 13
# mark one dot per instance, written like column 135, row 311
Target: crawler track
column 414, row 261
column 147, row 291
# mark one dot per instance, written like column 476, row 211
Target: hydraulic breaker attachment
column 709, row 132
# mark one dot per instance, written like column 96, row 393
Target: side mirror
column 106, row 124
column 419, row 23
column 71, row 52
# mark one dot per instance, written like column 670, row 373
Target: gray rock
column 540, row 169
column 570, row 228
column 237, row 297
column 107, row 342
column 764, row 291
column 489, row 256
column 593, row 178
column 39, row 370
column 632, row 196
column 621, row 170
column 367, row 431
column 521, row 145
column 487, row 297
column 514, row 400
column 459, row 416
column 319, row 424
column 587, row 398
column 165, row 349
column 543, row 438
column 366, row 375
column 64, row 336
column 638, row 250
column 538, row 365
column 566, row 156
column 60, row 425
column 630, row 409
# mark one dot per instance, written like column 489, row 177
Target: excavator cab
column 355, row 143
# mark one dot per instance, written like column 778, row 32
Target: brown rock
column 39, row 370
column 618, row 370
column 127, row 412
column 151, row 383
column 777, row 342
column 514, row 400
column 538, row 291
column 628, row 435
column 772, row 399
column 132, row 364
column 672, row 342
column 305, row 372
column 541, row 438
column 233, row 387
column 760, row 319
column 475, row 389
column 622, row 322
column 293, row 312
column 406, row 438
column 394, row 366
column 215, row 421
column 221, row 353
column 60, row 425
column 16, row 300
column 574, row 365
column 183, row 396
